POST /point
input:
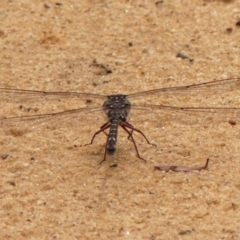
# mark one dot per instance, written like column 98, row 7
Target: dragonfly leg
column 130, row 126
column 105, row 153
column 102, row 129
column 131, row 137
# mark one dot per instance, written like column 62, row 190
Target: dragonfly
column 207, row 102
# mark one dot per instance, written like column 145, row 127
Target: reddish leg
column 105, row 153
column 102, row 129
column 130, row 135
column 130, row 126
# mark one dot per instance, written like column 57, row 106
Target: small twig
column 174, row 168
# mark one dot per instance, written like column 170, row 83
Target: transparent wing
column 181, row 92
column 209, row 102
column 155, row 115
column 192, row 104
column 159, row 114
column 203, row 89
column 76, row 118
column 18, row 95
column 205, row 92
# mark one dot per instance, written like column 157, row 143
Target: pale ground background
column 52, row 189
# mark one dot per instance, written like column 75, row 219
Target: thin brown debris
column 175, row 168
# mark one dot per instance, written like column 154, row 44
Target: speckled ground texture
column 52, row 185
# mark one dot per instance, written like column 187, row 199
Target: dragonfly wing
column 203, row 93
column 76, row 118
column 69, row 118
column 209, row 102
column 19, row 95
column 163, row 114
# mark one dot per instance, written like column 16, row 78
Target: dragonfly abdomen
column 112, row 136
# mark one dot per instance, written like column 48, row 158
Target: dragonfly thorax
column 117, row 107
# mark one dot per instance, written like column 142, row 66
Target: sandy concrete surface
column 52, row 185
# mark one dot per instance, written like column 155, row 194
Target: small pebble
column 113, row 165
column 238, row 23
column 229, row 30
column 46, row 5
column 4, row 156
column 184, row 56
